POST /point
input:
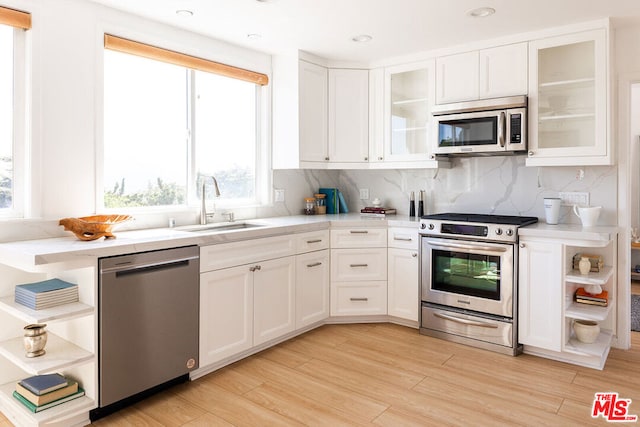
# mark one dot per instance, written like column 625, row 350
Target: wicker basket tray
column 93, row 227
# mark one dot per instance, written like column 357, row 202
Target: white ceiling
column 398, row 27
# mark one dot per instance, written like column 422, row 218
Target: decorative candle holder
column 35, row 338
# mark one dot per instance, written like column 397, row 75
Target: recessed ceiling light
column 254, row 36
column 481, row 12
column 362, row 38
column 184, row 12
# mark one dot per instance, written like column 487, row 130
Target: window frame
column 263, row 175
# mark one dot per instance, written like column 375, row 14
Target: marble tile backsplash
column 501, row 185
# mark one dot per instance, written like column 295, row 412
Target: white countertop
column 600, row 234
column 69, row 252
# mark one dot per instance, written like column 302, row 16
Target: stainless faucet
column 203, row 207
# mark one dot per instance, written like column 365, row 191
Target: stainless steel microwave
column 489, row 126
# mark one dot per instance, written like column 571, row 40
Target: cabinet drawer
column 403, row 238
column 360, row 298
column 359, row 238
column 225, row 255
column 358, row 264
column 312, row 241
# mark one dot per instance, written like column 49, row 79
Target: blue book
column 342, row 203
column 44, row 286
column 41, row 384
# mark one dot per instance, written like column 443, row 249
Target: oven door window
column 466, row 273
column 469, row 131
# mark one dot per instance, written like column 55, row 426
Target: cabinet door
column 226, row 313
column 274, row 299
column 313, row 112
column 540, row 286
column 312, row 287
column 348, row 115
column 568, row 100
column 457, row 77
column 409, row 97
column 402, row 286
column 504, row 71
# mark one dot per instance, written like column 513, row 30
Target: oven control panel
column 471, row 231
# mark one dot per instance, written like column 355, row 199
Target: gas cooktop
column 484, row 218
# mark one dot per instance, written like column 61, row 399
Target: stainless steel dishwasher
column 148, row 310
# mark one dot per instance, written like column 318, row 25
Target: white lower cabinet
column 226, row 313
column 403, row 292
column 548, row 281
column 540, row 294
column 273, row 299
column 312, row 287
column 358, row 298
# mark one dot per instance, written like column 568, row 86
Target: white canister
column 552, row 209
column 588, row 215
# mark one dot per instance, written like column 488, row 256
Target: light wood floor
column 388, row 375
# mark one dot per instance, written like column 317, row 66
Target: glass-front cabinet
column 409, row 97
column 568, row 100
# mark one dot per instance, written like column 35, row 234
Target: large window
column 13, row 107
column 168, row 127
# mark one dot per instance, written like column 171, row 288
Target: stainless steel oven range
column 468, row 279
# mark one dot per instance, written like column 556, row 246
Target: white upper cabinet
column 348, row 115
column 568, row 114
column 457, row 77
column 313, row 112
column 482, row 74
column 409, row 93
column 504, row 71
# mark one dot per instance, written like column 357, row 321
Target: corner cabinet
column 546, row 302
column 70, row 348
column 568, row 100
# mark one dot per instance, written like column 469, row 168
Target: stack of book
column 597, row 263
column 583, row 297
column 46, row 294
column 334, row 200
column 376, row 211
column 46, row 391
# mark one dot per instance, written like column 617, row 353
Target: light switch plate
column 570, row 198
column 279, row 195
column 364, row 194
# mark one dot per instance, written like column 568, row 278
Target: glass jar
column 309, row 205
column 321, row 206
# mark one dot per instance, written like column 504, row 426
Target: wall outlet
column 364, row 194
column 570, row 198
column 279, row 195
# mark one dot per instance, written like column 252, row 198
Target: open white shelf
column 600, row 278
column 60, row 354
column 600, row 348
column 60, row 312
column 577, row 310
column 20, row 415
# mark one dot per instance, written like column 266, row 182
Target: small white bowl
column 587, row 331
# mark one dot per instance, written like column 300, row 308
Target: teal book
column 331, row 199
column 342, row 203
column 33, row 408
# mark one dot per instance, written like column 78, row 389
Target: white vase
column 584, row 265
column 587, row 331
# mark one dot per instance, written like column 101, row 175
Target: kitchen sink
column 220, row 227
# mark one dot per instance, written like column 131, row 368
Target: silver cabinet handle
column 358, row 265
column 315, row 264
column 314, row 241
column 530, row 153
column 403, row 239
column 358, row 231
column 414, row 255
column 465, row 321
column 255, row 267
column 358, row 299
column 522, row 245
